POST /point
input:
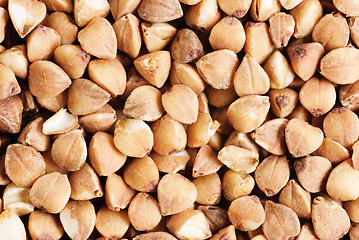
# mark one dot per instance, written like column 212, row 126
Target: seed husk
column 272, row 174
column 16, row 59
column 281, row 29
column 346, row 69
column 186, row 47
column 11, row 226
column 248, row 112
column 281, row 222
column 330, row 221
column 175, row 193
column 203, row 16
column 144, row 212
column 205, row 162
column 209, row 189
column 298, row 199
column 218, row 68
column 51, row 192
column 270, row 136
column 228, row 33
column 117, row 193
column 237, row 184
column 72, row 59
column 33, row 135
column 189, row 224
column 302, row 138
column 64, row 25
column 78, row 219
column 112, row 224
column 86, row 10
column 154, row 67
column 160, row 10
column 261, row 11
column 342, row 125
column 33, row 12
column 156, row 36
column 9, row 86
column 98, row 38
column 128, row 35
column 44, row 225
column 46, row 79
column 250, row 78
column 238, row 159
column 343, row 181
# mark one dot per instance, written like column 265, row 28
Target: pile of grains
column 179, row 119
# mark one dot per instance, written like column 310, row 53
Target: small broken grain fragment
column 272, row 174
column 302, row 138
column 186, row 47
column 330, row 221
column 160, row 10
column 283, row 101
column 218, row 68
column 281, row 28
column 62, row 121
column 98, row 39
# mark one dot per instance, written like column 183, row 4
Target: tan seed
column 227, row 232
column 111, row 224
column 354, row 30
column 17, row 199
column 156, row 36
column 54, row 103
column 235, row 8
column 33, row 135
column 160, row 10
column 155, row 235
column 117, row 193
column 199, row 132
column 42, row 225
column 86, row 10
column 220, row 97
column 281, row 28
column 16, row 59
column 348, row 96
column 64, row 25
column 332, row 151
column 203, row 16
column 171, row 163
column 351, row 207
column 60, row 122
column 11, row 226
column 205, row 162
column 307, row 232
column 238, row 159
column 59, row 5
column 237, row 184
column 209, row 189
column 283, row 101
column 101, row 120
column 348, row 7
column 262, row 10
column 120, row 8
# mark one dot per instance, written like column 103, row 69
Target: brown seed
column 33, row 136
column 160, row 10
column 171, row 163
column 351, row 207
column 59, row 5
column 306, row 15
column 248, row 112
column 237, row 184
column 133, row 137
column 349, row 96
column 216, row 217
column 32, row 13
column 281, row 28
column 218, row 68
column 101, row 120
column 281, row 222
column 250, row 78
column 117, row 193
column 154, row 67
column 305, row 58
column 189, row 224
column 69, row 150
column 298, row 199
column 163, row 131
column 98, row 38
column 41, row 43
column 155, row 236
column 342, row 125
column 9, row 85
column 332, row 31
column 86, row 10
column 332, row 151
column 203, row 16
column 175, row 193
column 86, row 97
column 44, row 225
column 19, row 159
column 51, row 192
column 270, row 136
column 227, row 232
column 205, row 162
column 330, row 221
column 227, row 34
column 142, row 174
column 111, row 224
column 78, row 219
column 238, row 159
column 317, row 96
column 120, row 8
column 283, row 101
column 272, row 174
column 302, row 138
column 246, row 213
column 46, row 79
column 16, row 59
column 208, row 189
column 156, row 36
column 261, row 11
column 72, row 59
column 258, row 42
column 186, row 74
column 64, row 25
column 343, row 181
column 354, row 30
column 235, row 8
column 11, row 114
column 346, row 69
column 128, row 35
column 186, row 47
column 29, row 102
column 181, row 103
column 307, row 232
column 199, row 132
column 85, row 184
column 144, row 212
column 54, row 103
column 144, row 103
column 348, row 7
column 279, row 71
